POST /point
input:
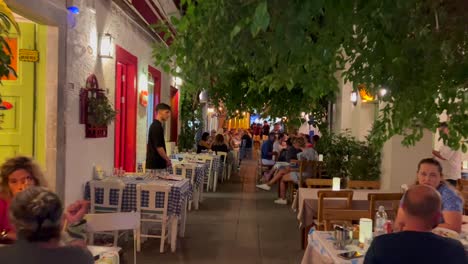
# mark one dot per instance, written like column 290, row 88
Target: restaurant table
column 105, row 255
column 201, row 171
column 321, row 250
column 177, row 205
column 308, row 203
column 217, row 164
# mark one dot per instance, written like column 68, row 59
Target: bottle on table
column 380, row 219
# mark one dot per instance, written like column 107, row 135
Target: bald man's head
column 422, row 202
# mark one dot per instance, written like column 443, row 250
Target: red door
column 174, row 113
column 126, row 106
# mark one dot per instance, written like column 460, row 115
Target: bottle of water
column 380, row 219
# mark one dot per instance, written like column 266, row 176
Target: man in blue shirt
column 267, row 150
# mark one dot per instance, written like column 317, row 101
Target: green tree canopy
column 285, row 55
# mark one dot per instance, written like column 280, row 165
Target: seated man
column 267, row 150
column 416, row 243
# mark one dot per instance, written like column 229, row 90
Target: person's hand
column 76, row 211
column 168, row 162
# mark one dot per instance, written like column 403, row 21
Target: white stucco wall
column 82, row 60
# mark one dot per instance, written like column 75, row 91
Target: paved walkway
column 238, row 224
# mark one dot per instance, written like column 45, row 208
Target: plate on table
column 445, row 232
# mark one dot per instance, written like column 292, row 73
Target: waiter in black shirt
column 156, row 157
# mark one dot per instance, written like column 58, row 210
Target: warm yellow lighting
column 237, row 111
column 210, row 110
column 220, row 108
column 106, row 49
column 382, row 92
column 364, row 93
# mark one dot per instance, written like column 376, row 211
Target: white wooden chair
column 223, row 156
column 153, row 211
column 114, row 222
column 186, row 171
column 109, row 203
column 212, row 173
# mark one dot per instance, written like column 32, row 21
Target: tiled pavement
column 238, row 224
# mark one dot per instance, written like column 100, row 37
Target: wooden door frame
column 131, row 103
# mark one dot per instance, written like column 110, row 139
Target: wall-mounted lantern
column 106, row 48
column 354, row 98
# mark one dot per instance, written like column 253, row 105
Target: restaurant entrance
column 18, row 96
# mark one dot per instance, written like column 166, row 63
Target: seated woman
column 286, row 175
column 430, row 173
column 219, row 145
column 204, row 144
column 16, row 175
column 36, row 214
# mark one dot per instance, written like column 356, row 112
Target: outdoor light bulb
column 303, row 114
column 354, row 98
column 243, row 113
column 220, row 108
column 210, row 110
column 237, row 111
column 382, row 92
column 74, row 9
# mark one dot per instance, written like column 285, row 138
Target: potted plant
column 100, row 111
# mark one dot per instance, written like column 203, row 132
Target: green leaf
column 261, row 19
column 235, row 31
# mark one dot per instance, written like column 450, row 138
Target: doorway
column 174, row 114
column 126, row 107
column 154, row 89
column 18, row 93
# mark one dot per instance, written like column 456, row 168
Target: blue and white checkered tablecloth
column 217, row 164
column 200, row 172
column 180, row 192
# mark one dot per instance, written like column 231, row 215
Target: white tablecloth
column 322, row 250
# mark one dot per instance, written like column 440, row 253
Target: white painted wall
column 398, row 162
column 82, row 48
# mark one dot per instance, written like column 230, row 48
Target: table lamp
column 336, row 184
column 320, row 157
column 365, row 230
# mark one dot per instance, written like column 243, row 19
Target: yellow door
column 17, row 130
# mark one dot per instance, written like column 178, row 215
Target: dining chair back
column 152, row 204
column 374, row 185
column 209, row 160
column 341, row 200
column 106, row 197
column 462, row 185
column 316, row 183
column 391, row 202
column 331, row 216
column 223, row 156
column 114, row 222
column 186, row 170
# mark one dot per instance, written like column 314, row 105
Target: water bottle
column 380, row 219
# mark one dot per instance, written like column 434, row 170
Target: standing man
column 156, row 157
column 450, row 159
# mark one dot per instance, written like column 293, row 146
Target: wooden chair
column 155, row 210
column 111, row 192
column 186, row 170
column 114, row 222
column 307, row 169
column 326, row 183
column 346, row 197
column 342, row 215
column 462, row 185
column 374, row 185
column 377, row 199
column 463, row 188
column 224, row 160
